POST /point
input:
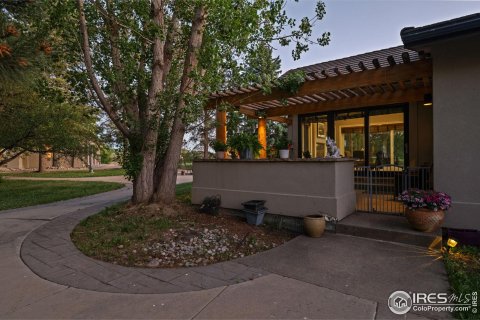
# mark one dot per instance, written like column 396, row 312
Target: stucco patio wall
column 456, row 114
column 290, row 187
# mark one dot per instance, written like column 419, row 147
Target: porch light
column 427, row 100
column 261, row 114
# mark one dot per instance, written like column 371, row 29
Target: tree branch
column 106, row 105
column 5, row 161
column 119, row 85
column 169, row 46
column 156, row 85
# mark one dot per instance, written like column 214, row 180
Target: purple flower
column 432, row 200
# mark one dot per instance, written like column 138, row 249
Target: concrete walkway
column 119, row 179
column 334, row 276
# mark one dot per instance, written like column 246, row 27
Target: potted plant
column 283, row 146
column 425, row 209
column 314, row 225
column 246, row 145
column 254, row 211
column 220, row 147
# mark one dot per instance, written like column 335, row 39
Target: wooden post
column 262, row 137
column 206, row 127
column 221, row 133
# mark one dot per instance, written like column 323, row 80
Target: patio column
column 221, row 133
column 262, row 136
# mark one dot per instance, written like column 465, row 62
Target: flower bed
column 177, row 236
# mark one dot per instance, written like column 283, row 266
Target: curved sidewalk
column 50, row 253
column 119, row 179
column 330, row 277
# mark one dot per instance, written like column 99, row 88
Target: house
column 454, row 46
column 30, row 161
column 403, row 117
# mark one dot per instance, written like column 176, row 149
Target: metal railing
column 378, row 188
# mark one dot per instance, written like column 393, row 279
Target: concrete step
column 384, row 227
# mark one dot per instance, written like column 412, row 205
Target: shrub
column 432, row 200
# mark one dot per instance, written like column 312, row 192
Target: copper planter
column 424, row 219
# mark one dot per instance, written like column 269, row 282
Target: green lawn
column 463, row 268
column 23, row 193
column 183, row 192
column 70, row 174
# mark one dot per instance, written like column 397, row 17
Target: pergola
column 384, row 77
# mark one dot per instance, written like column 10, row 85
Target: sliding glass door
column 386, row 137
column 350, row 135
column 373, row 137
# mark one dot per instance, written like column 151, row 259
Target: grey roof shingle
column 353, row 61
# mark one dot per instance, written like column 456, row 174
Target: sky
column 361, row 26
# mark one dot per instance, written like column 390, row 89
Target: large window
column 372, row 136
column 350, row 135
column 386, row 137
column 314, row 136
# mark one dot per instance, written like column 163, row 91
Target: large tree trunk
column 143, row 183
column 165, row 192
column 144, row 115
column 41, row 167
column 168, row 177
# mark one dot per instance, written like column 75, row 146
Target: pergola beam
column 252, row 114
column 377, row 99
column 397, row 73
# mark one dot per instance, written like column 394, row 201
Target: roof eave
column 415, row 38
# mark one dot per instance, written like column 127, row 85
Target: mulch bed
column 175, row 236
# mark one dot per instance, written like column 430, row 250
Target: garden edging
column 49, row 252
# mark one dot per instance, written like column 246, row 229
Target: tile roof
column 365, row 58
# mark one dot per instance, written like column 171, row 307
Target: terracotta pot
column 220, row 154
column 424, row 219
column 314, row 225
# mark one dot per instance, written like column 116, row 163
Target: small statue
column 332, row 149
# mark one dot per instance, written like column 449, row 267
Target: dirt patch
column 174, row 236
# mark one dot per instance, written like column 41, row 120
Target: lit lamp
column 451, row 243
column 427, row 100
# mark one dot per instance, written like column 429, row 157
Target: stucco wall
column 293, row 188
column 456, row 127
column 420, row 135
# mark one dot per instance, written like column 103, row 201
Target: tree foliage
column 150, row 66
column 39, row 111
column 38, row 116
column 22, row 49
